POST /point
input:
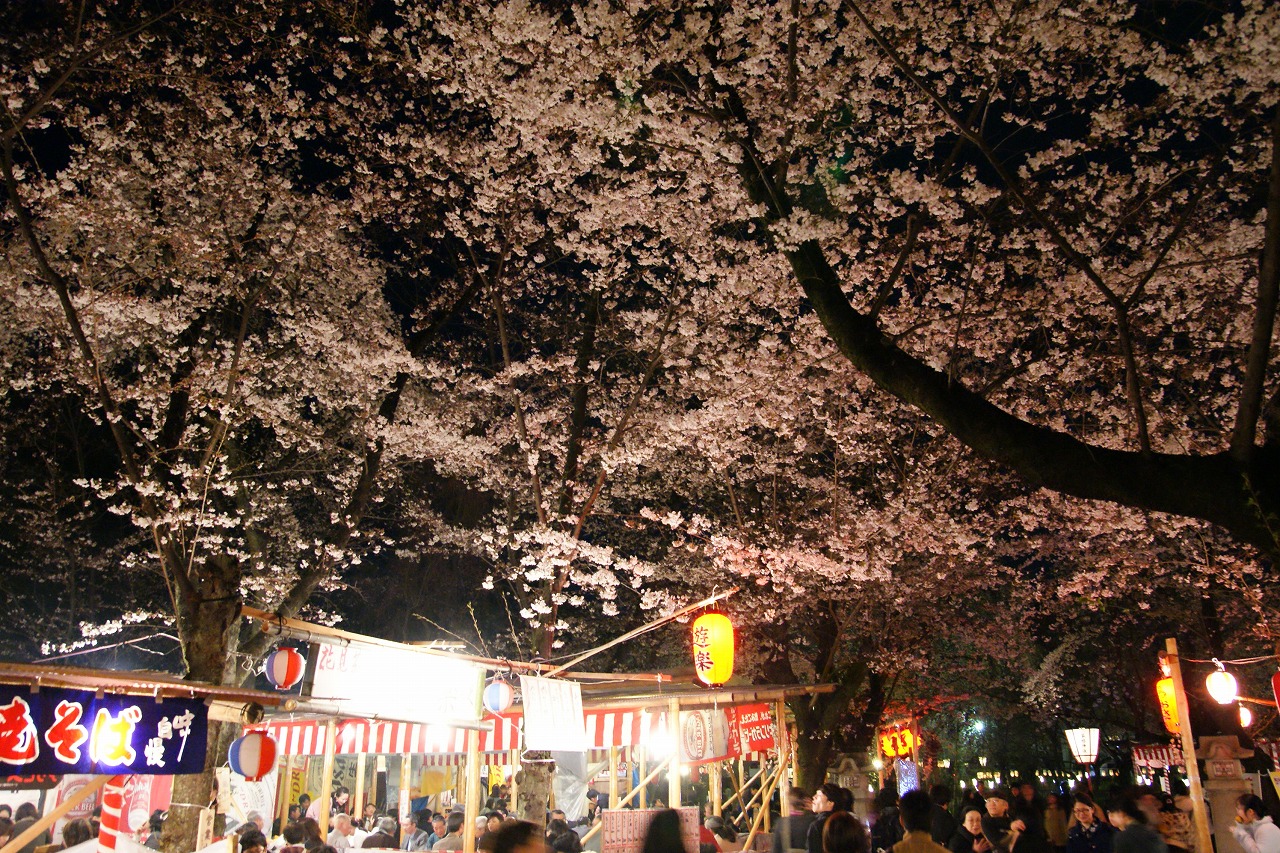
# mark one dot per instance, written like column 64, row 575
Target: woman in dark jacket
column 1135, row 835
column 968, row 837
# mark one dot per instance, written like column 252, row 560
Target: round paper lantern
column 253, row 756
column 498, row 697
column 1222, row 686
column 284, row 668
column 1246, row 717
column 1275, row 687
column 713, row 648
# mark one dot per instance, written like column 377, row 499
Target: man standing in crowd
column 453, row 833
column 942, row 825
column 915, row 813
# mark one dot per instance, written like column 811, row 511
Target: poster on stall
column 624, row 829
column 755, row 725
column 553, row 715
column 364, row 680
column 709, row 735
column 59, row 731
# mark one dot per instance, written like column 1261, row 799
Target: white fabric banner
column 396, row 684
column 553, row 715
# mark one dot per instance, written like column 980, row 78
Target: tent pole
column 673, row 771
column 472, row 805
column 326, row 778
column 613, row 777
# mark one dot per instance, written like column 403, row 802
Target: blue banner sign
column 74, row 731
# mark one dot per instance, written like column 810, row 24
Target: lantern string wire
column 1237, row 662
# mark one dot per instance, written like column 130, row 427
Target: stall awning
column 605, row 728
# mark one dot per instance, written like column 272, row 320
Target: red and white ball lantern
column 284, row 668
column 253, row 756
column 498, row 697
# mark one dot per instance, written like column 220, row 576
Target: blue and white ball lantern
column 498, row 697
column 253, row 756
column 284, row 668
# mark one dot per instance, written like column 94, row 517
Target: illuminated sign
column 364, row 680
column 58, row 731
column 898, row 743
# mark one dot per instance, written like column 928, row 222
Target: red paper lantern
column 253, row 756
column 1168, row 704
column 713, row 648
column 1275, row 687
column 284, row 668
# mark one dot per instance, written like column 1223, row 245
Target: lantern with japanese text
column 713, row 648
column 284, row 667
column 253, row 756
column 897, row 743
column 498, row 696
column 1168, row 704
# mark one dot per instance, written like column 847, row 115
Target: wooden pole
column 406, row 779
column 673, row 771
column 784, row 755
column 1199, row 815
column 644, row 767
column 359, row 796
column 613, row 777
column 471, row 808
column 326, row 778
column 717, row 788
column 30, row 833
column 285, row 776
column 737, row 795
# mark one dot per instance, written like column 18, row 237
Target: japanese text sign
column 365, row 680
column 71, row 731
column 755, row 722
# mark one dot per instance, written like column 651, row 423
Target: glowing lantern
column 1168, row 705
column 1084, row 745
column 284, row 668
column 1275, row 687
column 898, row 743
column 713, row 648
column 253, row 756
column 1222, row 686
column 1246, row 717
column 498, row 696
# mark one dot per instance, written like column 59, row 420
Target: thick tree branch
column 1264, row 316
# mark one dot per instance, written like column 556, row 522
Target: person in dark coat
column 792, row 830
column 1028, row 808
column 1134, row 834
column 1088, row 834
column 968, row 837
column 887, row 830
column 942, row 824
column 824, row 801
column 384, row 837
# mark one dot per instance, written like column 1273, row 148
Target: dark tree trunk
column 534, row 781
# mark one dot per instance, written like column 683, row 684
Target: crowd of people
column 16, row 821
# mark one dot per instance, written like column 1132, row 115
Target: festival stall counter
column 106, row 738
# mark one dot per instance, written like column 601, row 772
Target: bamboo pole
column 1199, row 814
column 784, row 755
column 359, row 795
column 644, row 768
column 515, row 777
column 326, row 778
column 717, row 788
column 406, row 779
column 471, row 808
column 673, row 771
column 284, row 775
column 32, row 832
column 737, row 795
column 755, row 824
column 613, row 777
column 591, row 833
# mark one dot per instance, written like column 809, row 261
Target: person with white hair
column 343, row 834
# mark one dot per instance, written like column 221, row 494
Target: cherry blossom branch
column 1264, row 316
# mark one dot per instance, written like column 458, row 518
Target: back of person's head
column 940, row 795
column 844, row 833
column 253, row 838
column 25, row 811
column 914, row 809
column 6, row 828
column 555, row 827
column 310, row 828
column 796, row 798
column 76, row 832
column 567, row 842
column 886, row 798
column 663, row 834
column 1127, row 805
column 845, row 803
column 1253, row 803
column 387, row 825
column 156, row 822
column 453, row 823
column 512, row 835
column 421, row 819
column 292, row 833
column 720, row 828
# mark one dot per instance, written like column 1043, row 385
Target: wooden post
column 32, row 832
column 613, row 777
column 784, row 757
column 673, row 770
column 358, row 809
column 767, row 789
column 471, row 808
column 1199, row 815
column 406, row 779
column 644, row 766
column 717, row 788
column 285, row 775
column 515, row 776
column 326, row 779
